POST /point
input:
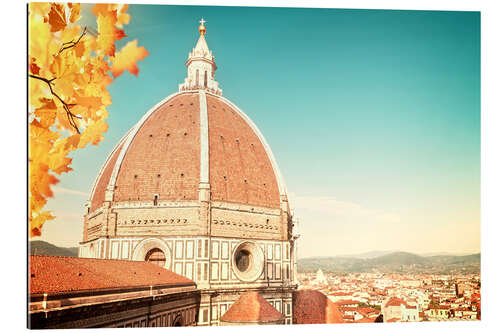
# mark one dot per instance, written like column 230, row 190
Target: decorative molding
column 245, row 208
column 245, row 225
column 162, row 221
column 95, row 213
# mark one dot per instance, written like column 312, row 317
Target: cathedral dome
column 162, row 157
column 192, row 144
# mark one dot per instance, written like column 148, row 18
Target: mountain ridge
column 45, row 248
column 395, row 262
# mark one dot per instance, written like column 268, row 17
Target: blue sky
column 372, row 115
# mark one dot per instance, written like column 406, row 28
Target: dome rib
column 101, row 173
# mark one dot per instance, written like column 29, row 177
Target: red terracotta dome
column 252, row 308
column 314, row 307
column 170, row 151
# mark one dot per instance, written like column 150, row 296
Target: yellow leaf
column 93, row 133
column 108, row 33
column 38, row 221
column 127, row 57
column 75, row 12
column 47, row 112
column 39, row 36
column 39, row 8
column 122, row 17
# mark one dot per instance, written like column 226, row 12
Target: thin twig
column 66, row 106
column 68, row 45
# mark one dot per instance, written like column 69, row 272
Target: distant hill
column 45, row 248
column 367, row 255
column 396, row 262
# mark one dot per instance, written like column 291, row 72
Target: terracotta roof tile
column 365, row 320
column 313, row 307
column 50, row 274
column 251, row 307
column 394, row 301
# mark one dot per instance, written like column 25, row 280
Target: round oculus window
column 248, row 261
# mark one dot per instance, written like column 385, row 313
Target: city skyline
column 373, row 116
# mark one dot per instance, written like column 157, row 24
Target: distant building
column 396, row 309
column 320, row 278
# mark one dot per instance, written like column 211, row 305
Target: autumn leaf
column 122, row 17
column 34, row 69
column 37, row 222
column 57, row 17
column 108, row 33
column 75, row 12
column 126, row 59
column 47, row 112
column 93, row 133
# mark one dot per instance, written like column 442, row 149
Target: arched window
column 156, row 256
column 197, row 77
column 205, row 80
column 177, row 321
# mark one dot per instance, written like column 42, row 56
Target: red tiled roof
column 394, row 301
column 346, row 302
column 393, row 320
column 313, row 307
column 49, row 274
column 340, row 294
column 366, row 311
column 251, row 307
column 365, row 320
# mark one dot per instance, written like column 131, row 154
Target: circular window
column 243, row 258
column 156, row 256
column 248, row 261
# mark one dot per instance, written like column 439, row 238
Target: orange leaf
column 57, row 17
column 34, row 69
column 47, row 112
column 127, row 57
column 101, row 9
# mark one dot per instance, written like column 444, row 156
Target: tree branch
column 71, row 116
column 68, row 45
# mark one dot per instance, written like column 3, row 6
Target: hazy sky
column 373, row 117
